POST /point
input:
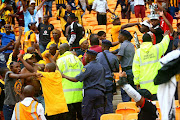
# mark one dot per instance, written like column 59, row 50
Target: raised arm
column 161, row 8
column 24, row 6
column 28, row 67
column 129, row 25
column 41, row 4
column 48, row 55
column 16, row 47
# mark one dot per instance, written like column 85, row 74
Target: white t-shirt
column 139, row 2
column 100, row 6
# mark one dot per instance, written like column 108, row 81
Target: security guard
column 70, row 65
column 93, row 78
column 146, row 63
column 111, row 64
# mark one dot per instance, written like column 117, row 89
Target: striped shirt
column 173, row 3
column 60, row 1
column 38, row 2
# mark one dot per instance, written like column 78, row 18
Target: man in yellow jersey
column 28, row 107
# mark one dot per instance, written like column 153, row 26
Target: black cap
column 92, row 52
column 72, row 15
column 31, row 23
column 145, row 93
column 126, row 33
column 107, row 43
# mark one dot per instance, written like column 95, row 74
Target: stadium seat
column 100, row 28
column 133, row 116
column 111, row 117
column 126, row 108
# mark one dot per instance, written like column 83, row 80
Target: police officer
column 125, row 56
column 93, row 78
column 111, row 64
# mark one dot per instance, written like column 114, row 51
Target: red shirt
column 96, row 48
column 164, row 26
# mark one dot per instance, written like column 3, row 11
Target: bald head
column 50, row 67
column 30, row 50
column 63, row 48
column 28, row 91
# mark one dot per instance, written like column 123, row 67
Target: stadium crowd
column 66, row 59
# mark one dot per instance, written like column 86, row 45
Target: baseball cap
column 146, row 23
column 92, row 52
column 32, row 1
column 31, row 23
column 153, row 16
column 107, row 43
column 126, row 33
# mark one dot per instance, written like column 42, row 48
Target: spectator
column 2, row 94
column 110, row 64
column 139, row 8
column 142, row 97
column 125, row 9
column 89, row 4
column 94, row 87
column 48, row 5
column 101, row 35
column 30, row 37
column 56, row 39
column 20, row 17
column 148, row 57
column 44, row 33
column 6, row 38
column 60, row 3
column 84, row 45
column 125, row 56
column 70, row 65
column 173, row 7
column 166, row 27
column 55, row 104
column 176, row 37
column 13, row 88
column 76, row 32
column 156, row 29
column 29, row 15
column 101, row 7
column 53, row 51
column 28, row 106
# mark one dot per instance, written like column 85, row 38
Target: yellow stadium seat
column 88, row 16
column 134, row 20
column 133, row 116
column 111, row 117
column 100, row 27
column 124, row 21
column 126, row 108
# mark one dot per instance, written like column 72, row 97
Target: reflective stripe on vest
column 33, row 110
column 149, row 62
column 74, row 89
column 145, row 82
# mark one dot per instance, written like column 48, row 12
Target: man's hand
column 48, row 55
column 39, row 75
column 10, row 43
column 122, row 74
column 166, row 33
column 20, row 56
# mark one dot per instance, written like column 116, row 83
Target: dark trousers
column 61, row 116
column 102, row 20
column 109, row 96
column 169, row 47
column 93, row 104
column 74, row 111
column 8, row 111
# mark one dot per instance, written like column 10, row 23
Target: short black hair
column 3, row 70
column 147, row 38
column 92, row 36
column 51, row 67
column 94, row 41
column 100, row 33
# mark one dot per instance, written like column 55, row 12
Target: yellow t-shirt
column 45, row 58
column 115, row 33
column 30, row 36
column 53, row 42
column 53, row 93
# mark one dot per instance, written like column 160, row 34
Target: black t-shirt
column 159, row 34
column 44, row 33
column 148, row 111
column 77, row 29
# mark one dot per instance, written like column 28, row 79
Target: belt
column 101, row 13
column 127, row 68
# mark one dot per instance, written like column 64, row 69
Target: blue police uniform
column 108, row 73
column 93, row 78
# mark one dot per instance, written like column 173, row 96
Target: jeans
column 8, row 111
column 42, row 47
column 124, row 95
column 109, row 96
column 41, row 100
column 132, row 9
column 49, row 8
